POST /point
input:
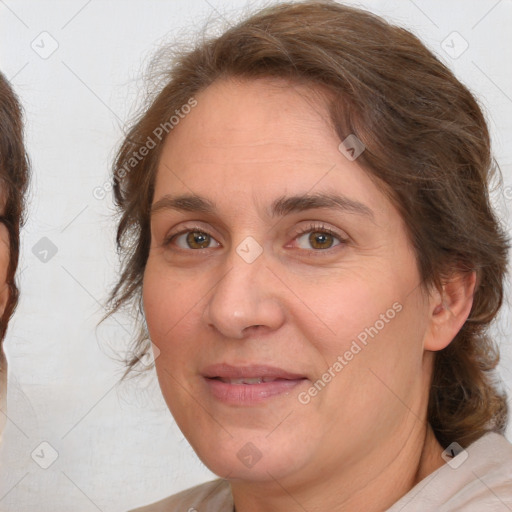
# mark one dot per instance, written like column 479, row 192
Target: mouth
column 249, row 381
column 249, row 385
column 266, row 373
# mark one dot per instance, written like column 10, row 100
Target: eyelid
column 320, row 227
column 186, row 228
column 312, row 226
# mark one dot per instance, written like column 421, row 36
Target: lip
column 227, row 371
column 282, row 383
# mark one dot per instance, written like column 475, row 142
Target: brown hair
column 427, row 145
column 14, row 172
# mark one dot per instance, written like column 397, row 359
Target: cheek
column 173, row 331
column 342, row 307
column 4, row 253
column 171, row 309
column 369, row 362
column 369, row 318
column 166, row 301
column 4, row 265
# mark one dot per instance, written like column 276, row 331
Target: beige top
column 481, row 483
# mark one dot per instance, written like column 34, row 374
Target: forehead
column 261, row 137
column 249, row 113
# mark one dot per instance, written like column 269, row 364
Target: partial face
column 245, row 285
column 4, row 296
column 5, row 250
column 4, row 264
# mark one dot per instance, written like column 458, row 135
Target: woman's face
column 247, row 278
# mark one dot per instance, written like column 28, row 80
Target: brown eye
column 192, row 239
column 319, row 240
column 198, row 239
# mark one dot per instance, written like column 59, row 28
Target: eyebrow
column 280, row 207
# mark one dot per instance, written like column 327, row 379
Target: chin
column 257, row 460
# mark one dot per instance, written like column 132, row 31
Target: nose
column 246, row 298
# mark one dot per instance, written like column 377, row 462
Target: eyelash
column 321, row 228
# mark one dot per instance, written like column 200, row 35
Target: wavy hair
column 14, row 176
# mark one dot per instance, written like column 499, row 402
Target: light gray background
column 118, row 447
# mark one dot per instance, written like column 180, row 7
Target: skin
column 4, row 264
column 297, row 307
column 4, row 297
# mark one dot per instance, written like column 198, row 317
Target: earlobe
column 450, row 308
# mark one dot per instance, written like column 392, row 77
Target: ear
column 449, row 308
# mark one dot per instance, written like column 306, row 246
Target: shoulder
column 208, row 497
column 477, row 478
